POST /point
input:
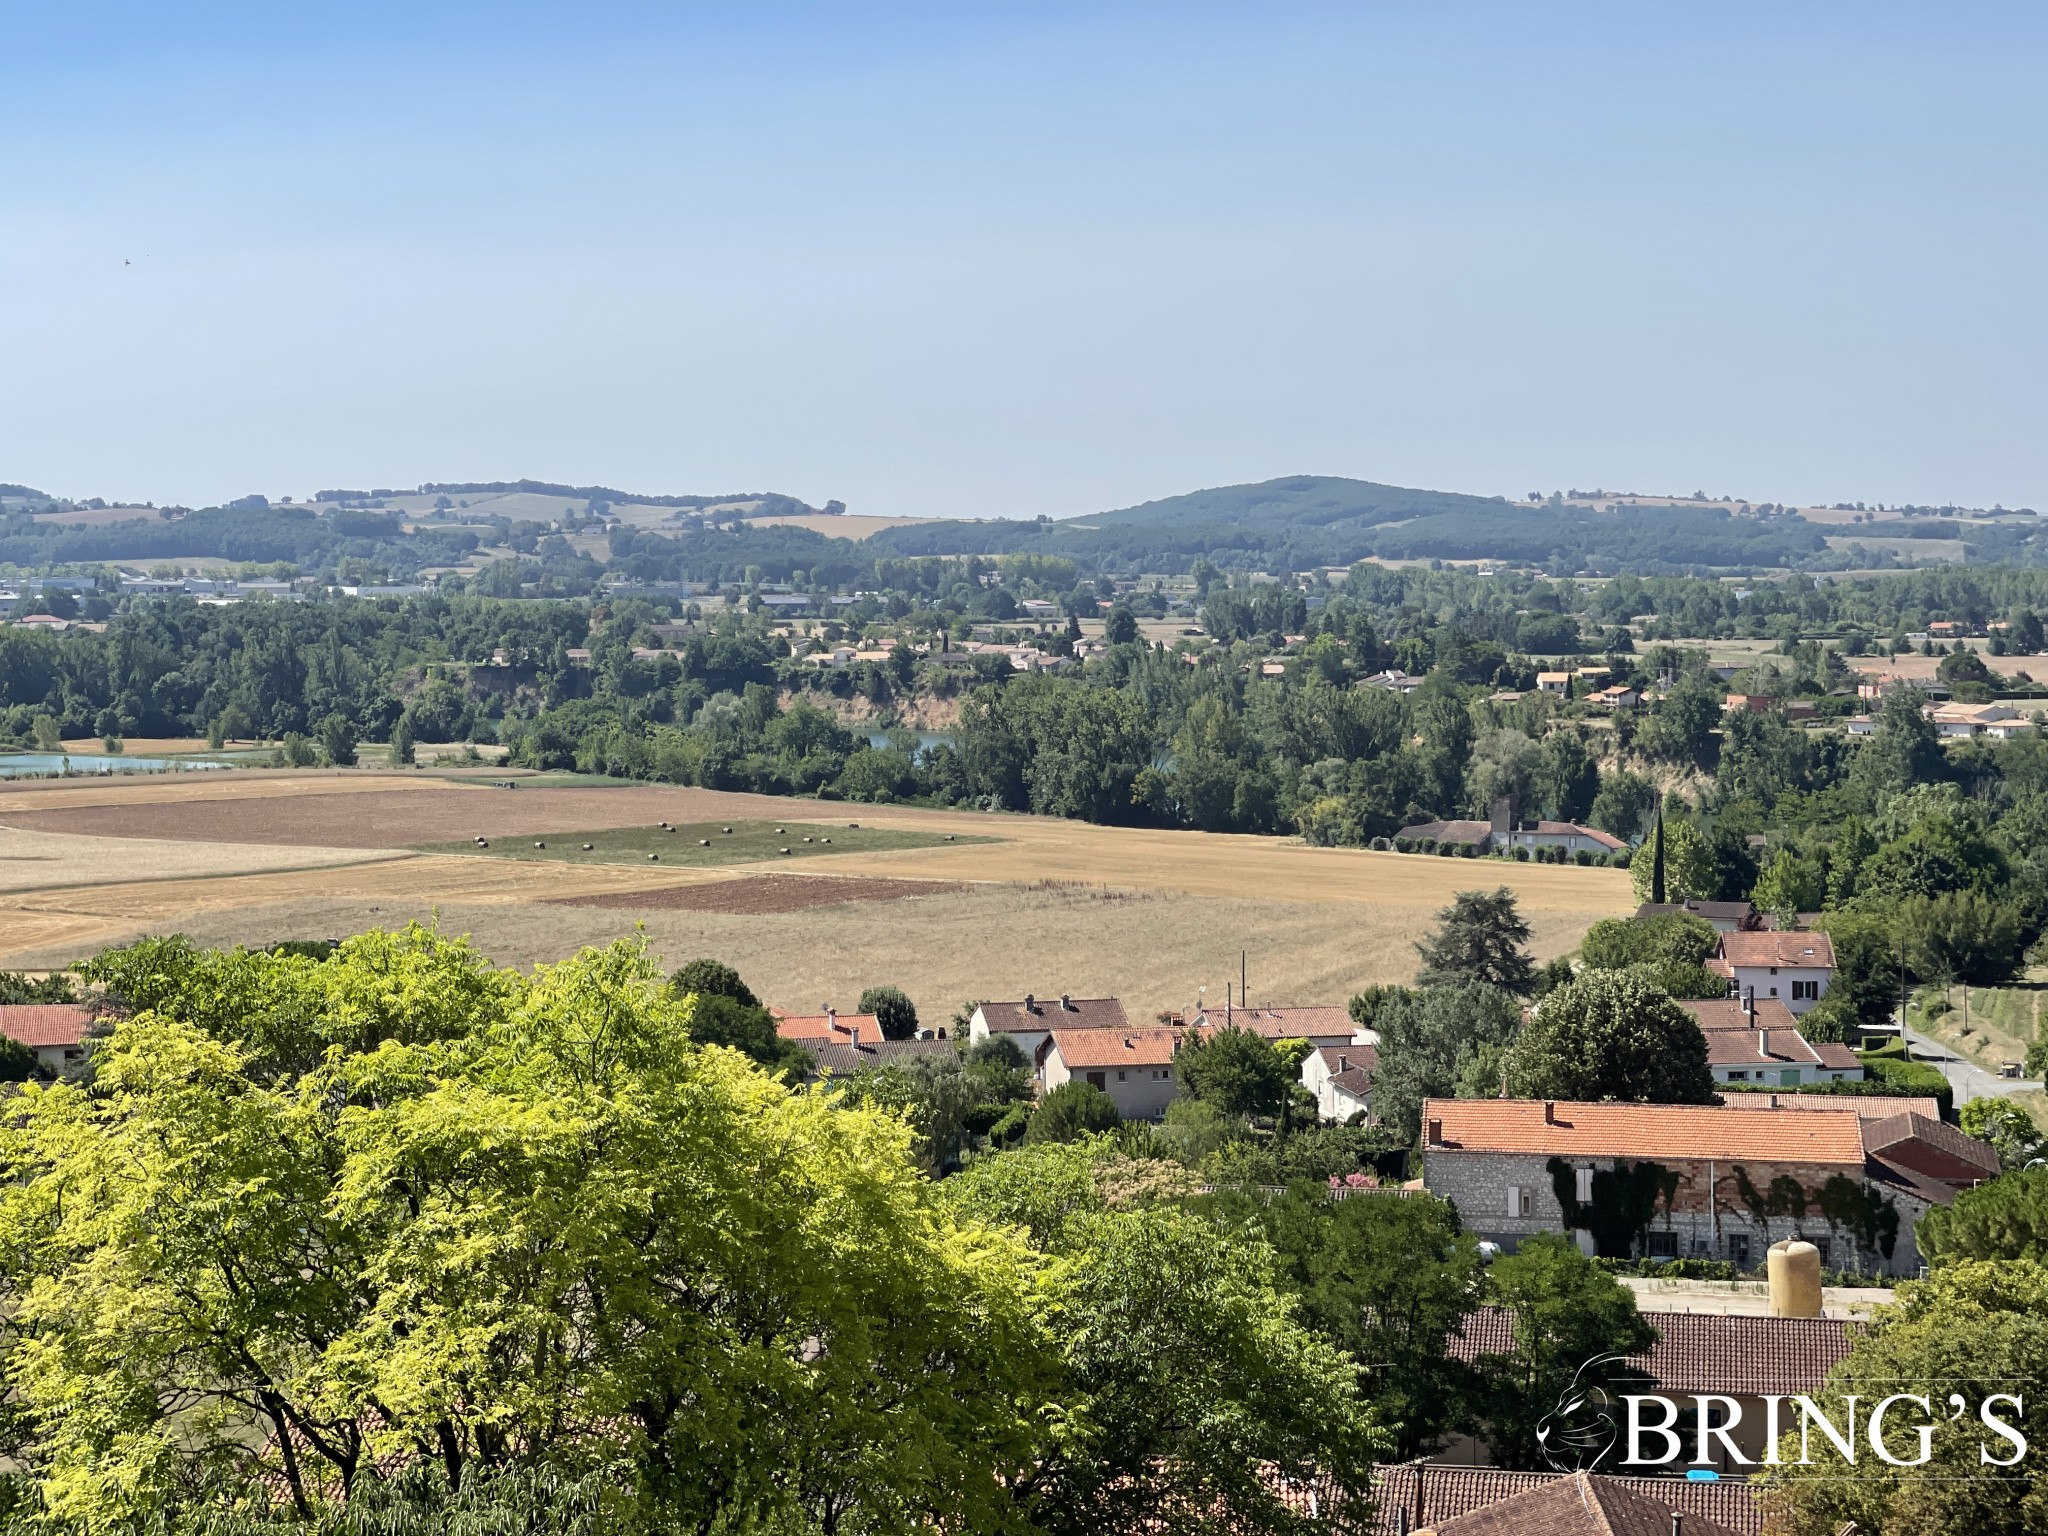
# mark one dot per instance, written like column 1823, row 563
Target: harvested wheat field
column 950, row 905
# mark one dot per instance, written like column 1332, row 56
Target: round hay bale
column 784, row 852
column 540, row 845
column 652, row 857
column 703, row 842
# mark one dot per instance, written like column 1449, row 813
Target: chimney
column 831, row 1018
column 1434, row 1134
column 1763, row 1043
column 1749, row 1003
column 853, row 1030
column 1067, row 1004
column 1550, row 1111
column 1030, row 1003
column 1343, row 1063
column 1678, row 1522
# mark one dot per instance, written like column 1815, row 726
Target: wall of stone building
column 1478, row 1183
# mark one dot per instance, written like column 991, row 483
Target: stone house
column 1685, row 1180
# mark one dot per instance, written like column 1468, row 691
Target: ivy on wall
column 1624, row 1202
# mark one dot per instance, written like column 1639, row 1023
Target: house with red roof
column 1794, row 966
column 54, row 1031
column 1727, row 1182
column 1757, row 1041
column 1133, row 1066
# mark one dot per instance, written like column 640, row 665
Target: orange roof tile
column 44, row 1024
column 1080, row 1048
column 1780, row 949
column 1690, row 1131
column 814, row 1026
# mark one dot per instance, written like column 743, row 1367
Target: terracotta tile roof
column 1745, row 1048
column 1580, row 1505
column 1932, row 1148
column 1702, row 1351
column 1868, row 1106
column 1606, row 840
column 1055, row 1013
column 1809, row 950
column 1684, row 1131
column 1285, row 1023
column 1097, row 1048
column 45, row 1024
column 821, row 1026
column 1728, row 1013
column 1430, row 1496
column 1834, row 1054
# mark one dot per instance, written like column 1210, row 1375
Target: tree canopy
column 1610, row 1035
column 1479, row 939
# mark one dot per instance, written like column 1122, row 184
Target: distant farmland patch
column 765, row 894
column 698, row 844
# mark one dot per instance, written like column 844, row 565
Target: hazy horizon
column 1030, row 259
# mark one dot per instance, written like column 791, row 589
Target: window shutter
column 1585, row 1193
column 1514, row 1200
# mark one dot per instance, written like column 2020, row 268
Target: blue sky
column 1010, row 259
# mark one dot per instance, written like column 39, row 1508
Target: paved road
column 1969, row 1080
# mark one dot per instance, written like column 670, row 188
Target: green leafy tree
column 298, row 751
column 1567, row 780
column 1434, row 1040
column 2003, row 1218
column 1198, row 1394
column 402, row 740
column 1962, row 936
column 2007, row 1126
column 1610, row 1035
column 1071, row 1111
column 1973, row 1329
column 338, row 741
column 1479, row 939
column 1905, row 749
column 1121, row 628
column 1668, row 950
column 893, row 1011
column 1789, row 885
column 1567, row 1313
column 398, row 1205
column 713, row 978
column 1624, row 804
column 1386, row 1281
column 1241, row 1073
column 1688, row 864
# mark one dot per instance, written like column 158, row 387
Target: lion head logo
column 1584, row 1428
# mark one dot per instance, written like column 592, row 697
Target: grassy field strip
column 40, row 861
column 1216, row 864
column 213, row 784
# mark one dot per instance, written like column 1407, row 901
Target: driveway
column 1969, row 1080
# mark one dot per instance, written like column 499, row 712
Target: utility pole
column 1244, row 992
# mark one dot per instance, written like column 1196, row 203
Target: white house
column 1341, row 1079
column 1133, row 1066
column 1794, row 968
column 1032, row 1021
column 1756, row 1041
column 54, row 1031
column 1568, row 835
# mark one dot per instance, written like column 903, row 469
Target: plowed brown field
column 1042, row 905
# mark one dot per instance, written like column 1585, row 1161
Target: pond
column 15, row 764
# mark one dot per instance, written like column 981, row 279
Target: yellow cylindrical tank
column 1794, row 1270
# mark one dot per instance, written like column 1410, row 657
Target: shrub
column 1521, row 853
